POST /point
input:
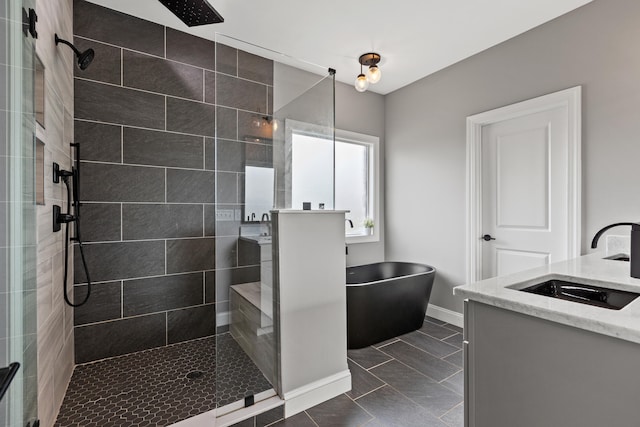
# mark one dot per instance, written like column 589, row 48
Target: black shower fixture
column 84, row 58
column 194, row 12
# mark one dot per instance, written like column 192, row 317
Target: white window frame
column 374, row 184
column 294, row 126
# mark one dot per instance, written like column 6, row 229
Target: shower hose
column 76, row 211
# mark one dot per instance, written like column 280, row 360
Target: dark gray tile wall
column 146, row 115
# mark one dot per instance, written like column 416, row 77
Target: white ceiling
column 414, row 37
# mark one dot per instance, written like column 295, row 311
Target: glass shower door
column 259, row 95
column 18, row 407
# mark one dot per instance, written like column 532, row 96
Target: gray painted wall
column 594, row 46
column 355, row 112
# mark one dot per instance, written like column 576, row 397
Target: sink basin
column 618, row 257
column 612, row 299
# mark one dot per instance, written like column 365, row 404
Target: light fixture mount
column 369, row 59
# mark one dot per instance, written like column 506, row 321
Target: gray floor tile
column 390, row 408
column 453, row 327
column 456, row 358
column 427, row 393
column 339, row 411
column 362, row 382
column 429, row 344
column 455, row 417
column 421, row 361
column 456, row 383
column 436, row 331
column 455, row 340
column 367, row 357
column 386, row 342
column 435, row 321
column 299, row 420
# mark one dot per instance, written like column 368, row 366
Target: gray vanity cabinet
column 524, row 371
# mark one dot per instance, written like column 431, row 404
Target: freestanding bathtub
column 385, row 300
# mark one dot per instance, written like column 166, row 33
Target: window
column 355, row 174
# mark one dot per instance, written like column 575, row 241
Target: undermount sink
column 612, row 299
column 618, row 257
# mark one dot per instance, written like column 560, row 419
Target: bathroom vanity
column 538, row 360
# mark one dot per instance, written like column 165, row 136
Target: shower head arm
column 59, row 40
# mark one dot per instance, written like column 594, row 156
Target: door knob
column 487, row 237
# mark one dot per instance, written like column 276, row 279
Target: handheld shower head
column 84, row 58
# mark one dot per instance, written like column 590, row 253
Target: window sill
column 371, row 238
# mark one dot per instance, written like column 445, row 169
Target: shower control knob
column 487, row 237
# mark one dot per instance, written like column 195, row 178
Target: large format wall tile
column 99, row 142
column 168, row 77
column 108, row 64
column 100, row 222
column 210, row 87
column 231, row 156
column 183, row 47
column 191, row 323
column 104, row 303
column 241, row 94
column 186, row 255
column 255, row 68
column 227, row 123
column 113, row 104
column 151, row 221
column 226, row 59
column 162, row 293
column 102, row 340
column 114, row 261
column 147, row 147
column 188, row 186
column 116, row 28
column 118, row 183
column 190, row 117
column 227, row 187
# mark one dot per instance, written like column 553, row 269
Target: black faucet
column 350, row 222
column 634, row 256
column 265, row 217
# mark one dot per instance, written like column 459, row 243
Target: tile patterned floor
column 414, row 380
column 151, row 388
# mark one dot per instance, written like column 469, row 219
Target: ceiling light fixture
column 373, row 73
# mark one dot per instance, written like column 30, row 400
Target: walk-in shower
column 184, row 154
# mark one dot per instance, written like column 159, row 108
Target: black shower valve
column 57, row 173
column 60, row 218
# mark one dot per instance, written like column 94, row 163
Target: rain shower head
column 193, row 12
column 84, row 58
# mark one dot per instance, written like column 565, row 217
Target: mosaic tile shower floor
column 151, row 387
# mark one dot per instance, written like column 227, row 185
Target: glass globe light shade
column 361, row 83
column 374, row 74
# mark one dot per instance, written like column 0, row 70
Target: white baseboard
column 315, row 393
column 445, row 315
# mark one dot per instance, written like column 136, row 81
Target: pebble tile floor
column 151, row 388
column 415, row 380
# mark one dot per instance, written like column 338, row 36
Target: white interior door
column 525, row 192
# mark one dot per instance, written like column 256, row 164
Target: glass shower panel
column 18, row 216
column 304, row 143
column 259, row 93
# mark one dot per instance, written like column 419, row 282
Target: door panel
column 525, row 191
column 509, row 261
column 522, row 180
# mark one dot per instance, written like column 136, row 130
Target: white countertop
column 588, row 269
